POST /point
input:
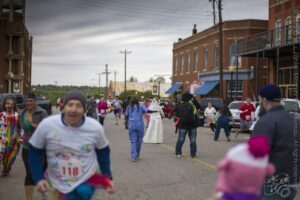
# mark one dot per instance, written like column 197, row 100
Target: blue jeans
column 181, row 138
column 136, row 140
column 223, row 122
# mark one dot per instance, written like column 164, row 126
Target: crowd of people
column 68, row 155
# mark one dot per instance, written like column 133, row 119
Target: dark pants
column 192, row 133
column 25, row 158
column 101, row 120
column 223, row 122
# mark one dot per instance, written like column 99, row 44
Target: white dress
column 154, row 133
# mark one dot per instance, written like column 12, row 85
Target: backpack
column 187, row 113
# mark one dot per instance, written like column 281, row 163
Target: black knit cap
column 75, row 95
column 30, row 95
column 186, row 96
column 270, row 92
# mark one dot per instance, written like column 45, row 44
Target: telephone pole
column 221, row 46
column 125, row 53
column 106, row 72
column 99, row 74
column 115, row 75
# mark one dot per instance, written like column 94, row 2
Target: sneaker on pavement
column 178, row 155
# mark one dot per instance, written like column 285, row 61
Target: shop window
column 232, row 86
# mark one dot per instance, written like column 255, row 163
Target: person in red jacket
column 245, row 114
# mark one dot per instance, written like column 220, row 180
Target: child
column 243, row 170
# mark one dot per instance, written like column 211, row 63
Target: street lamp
column 232, row 69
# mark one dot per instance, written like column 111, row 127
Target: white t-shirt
column 210, row 112
column 70, row 151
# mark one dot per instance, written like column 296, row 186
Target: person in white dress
column 154, row 132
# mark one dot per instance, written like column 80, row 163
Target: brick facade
column 15, row 50
column 207, row 40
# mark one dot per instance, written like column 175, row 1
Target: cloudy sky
column 74, row 39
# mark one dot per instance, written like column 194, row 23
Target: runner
column 102, row 110
column 117, row 104
column 134, row 115
column 30, row 118
column 9, row 134
column 73, row 144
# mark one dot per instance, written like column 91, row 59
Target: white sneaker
column 178, row 155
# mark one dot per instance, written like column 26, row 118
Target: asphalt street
column 158, row 175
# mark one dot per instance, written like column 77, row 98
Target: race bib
column 102, row 111
column 71, row 169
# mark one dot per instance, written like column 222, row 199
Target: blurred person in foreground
column 243, row 170
column 282, row 130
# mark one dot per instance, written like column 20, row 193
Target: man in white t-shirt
column 76, row 147
column 210, row 112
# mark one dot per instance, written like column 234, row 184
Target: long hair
column 9, row 97
column 224, row 110
column 134, row 101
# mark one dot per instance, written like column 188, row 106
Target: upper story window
column 205, row 52
column 188, row 62
column 298, row 27
column 288, row 30
column 175, row 65
column 234, row 60
column 216, row 56
column 195, row 60
column 182, row 64
column 277, row 32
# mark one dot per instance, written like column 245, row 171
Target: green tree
column 133, row 79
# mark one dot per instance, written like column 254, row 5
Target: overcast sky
column 74, row 39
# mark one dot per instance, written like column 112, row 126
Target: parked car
column 291, row 105
column 18, row 97
column 234, row 109
column 44, row 103
column 40, row 101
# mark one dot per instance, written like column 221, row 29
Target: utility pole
column 221, row 46
column 106, row 72
column 99, row 74
column 115, row 75
column 125, row 53
column 214, row 10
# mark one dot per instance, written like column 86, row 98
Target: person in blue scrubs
column 134, row 114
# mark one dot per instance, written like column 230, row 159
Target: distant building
column 280, row 45
column 196, row 61
column 117, row 88
column 15, row 48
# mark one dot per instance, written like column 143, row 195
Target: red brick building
column 15, row 48
column 280, row 45
column 196, row 61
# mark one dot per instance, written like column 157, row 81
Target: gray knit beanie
column 77, row 96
